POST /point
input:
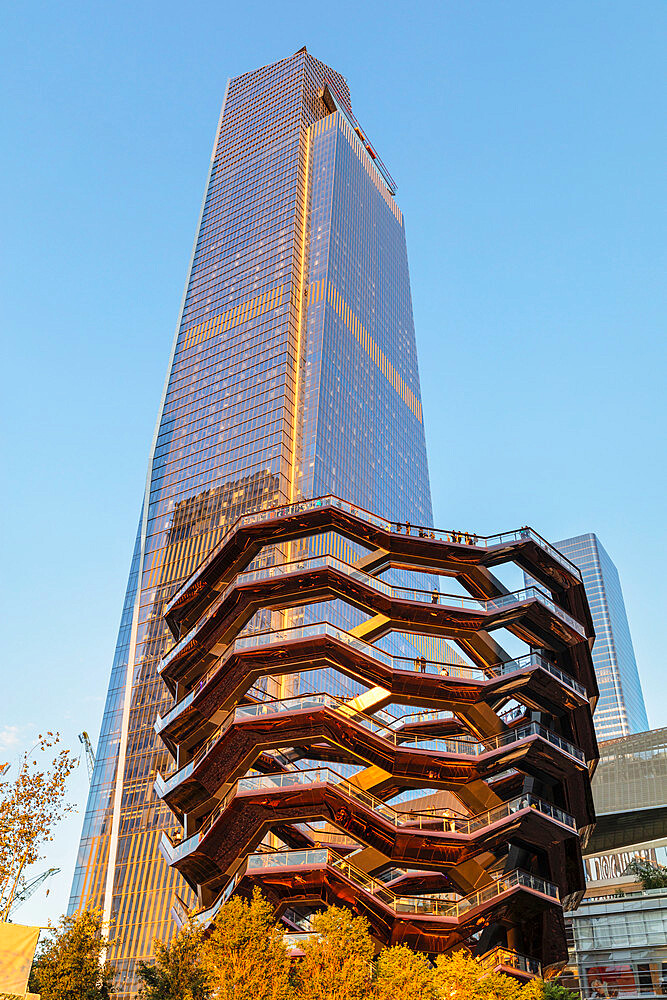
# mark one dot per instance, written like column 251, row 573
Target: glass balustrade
column 512, row 960
column 279, row 637
column 434, row 820
column 327, row 561
column 452, row 537
column 436, row 905
column 391, row 733
column 440, row 904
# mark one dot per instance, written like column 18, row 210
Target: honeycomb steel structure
column 446, row 802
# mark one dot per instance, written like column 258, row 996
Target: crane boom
column 27, row 890
column 84, row 738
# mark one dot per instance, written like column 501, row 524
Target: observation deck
column 400, row 772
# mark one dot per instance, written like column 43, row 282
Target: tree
column 30, row 806
column 460, row 977
column 245, row 957
column 651, row 876
column 400, row 972
column 71, row 965
column 337, row 962
column 552, row 990
column 176, row 973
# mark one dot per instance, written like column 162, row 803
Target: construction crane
column 27, row 890
column 84, row 738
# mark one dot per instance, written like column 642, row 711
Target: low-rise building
column 618, row 935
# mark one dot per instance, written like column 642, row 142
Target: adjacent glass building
column 621, row 709
column 293, row 373
column 618, row 935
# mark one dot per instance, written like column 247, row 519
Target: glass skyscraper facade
column 293, row 374
column 621, row 709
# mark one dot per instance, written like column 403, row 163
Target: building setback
column 293, row 373
column 621, row 709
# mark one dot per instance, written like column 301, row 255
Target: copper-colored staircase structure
column 447, row 802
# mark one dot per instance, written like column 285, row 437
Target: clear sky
column 528, row 143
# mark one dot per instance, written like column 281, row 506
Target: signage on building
column 614, row 865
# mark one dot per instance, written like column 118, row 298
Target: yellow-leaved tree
column 338, row 960
column 461, row 977
column 30, row 806
column 71, row 964
column 402, row 974
column 176, row 971
column 245, row 957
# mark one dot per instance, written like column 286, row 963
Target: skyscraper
column 293, row 373
column 621, row 709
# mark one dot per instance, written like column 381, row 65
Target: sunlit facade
column 293, row 373
column 621, row 709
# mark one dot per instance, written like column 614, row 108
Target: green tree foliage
column 402, row 974
column 245, row 957
column 552, row 990
column 70, row 965
column 338, row 960
column 651, row 876
column 177, row 972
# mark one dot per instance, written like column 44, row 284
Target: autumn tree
column 338, row 959
column 30, row 807
column 245, row 957
column 405, row 974
column 71, row 964
column 176, row 972
column 534, row 989
column 460, row 977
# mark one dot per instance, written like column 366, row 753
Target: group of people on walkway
column 458, row 537
column 421, row 663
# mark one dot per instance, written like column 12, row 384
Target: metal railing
column 391, row 733
column 455, row 671
column 452, row 537
column 437, row 905
column 435, row 820
column 511, row 960
column 433, row 905
column 292, row 939
column 330, row 561
column 432, row 820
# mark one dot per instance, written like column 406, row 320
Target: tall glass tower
column 293, row 373
column 621, row 709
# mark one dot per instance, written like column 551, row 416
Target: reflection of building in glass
column 620, row 940
column 443, row 801
column 621, row 708
column 618, row 935
column 294, row 372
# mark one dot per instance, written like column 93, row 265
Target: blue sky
column 528, row 144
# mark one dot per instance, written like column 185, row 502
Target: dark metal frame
column 522, row 781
